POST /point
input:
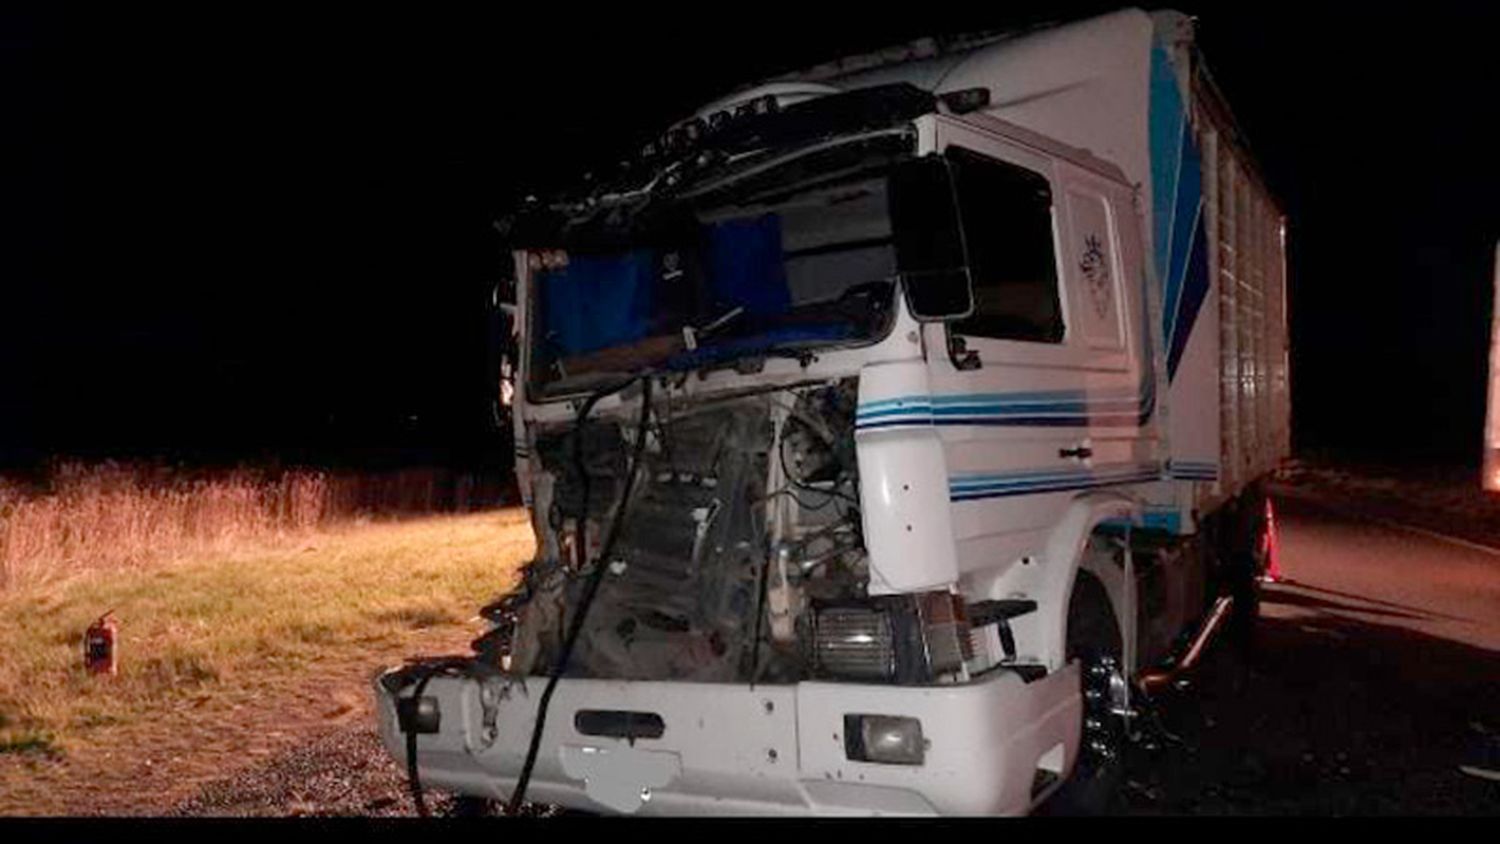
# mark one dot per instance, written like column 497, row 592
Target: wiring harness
column 596, row 577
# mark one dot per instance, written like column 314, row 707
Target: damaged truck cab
column 871, row 427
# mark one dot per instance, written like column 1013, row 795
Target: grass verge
column 225, row 641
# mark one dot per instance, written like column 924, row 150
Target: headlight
column 888, row 739
column 855, row 642
column 908, row 639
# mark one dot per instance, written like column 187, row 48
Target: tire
column 1245, row 562
column 1093, row 638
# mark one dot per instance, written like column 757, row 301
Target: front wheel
column 1093, row 638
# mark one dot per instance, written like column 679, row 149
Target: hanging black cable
column 596, row 577
column 408, row 722
column 412, row 777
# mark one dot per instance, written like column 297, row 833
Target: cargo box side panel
column 1227, row 185
column 1280, row 344
column 1247, row 261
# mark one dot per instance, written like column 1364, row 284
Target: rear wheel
column 1244, row 552
column 1093, row 638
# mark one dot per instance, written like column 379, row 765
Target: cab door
column 1041, row 394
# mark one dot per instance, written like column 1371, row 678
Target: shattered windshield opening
column 779, row 261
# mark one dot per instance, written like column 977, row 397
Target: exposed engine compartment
column 743, row 513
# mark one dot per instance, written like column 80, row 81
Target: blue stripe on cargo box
column 1195, row 470
column 1179, row 246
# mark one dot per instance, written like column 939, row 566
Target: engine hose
column 595, row 578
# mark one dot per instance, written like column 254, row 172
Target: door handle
column 1082, row 452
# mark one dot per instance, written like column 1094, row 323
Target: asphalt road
column 1375, row 667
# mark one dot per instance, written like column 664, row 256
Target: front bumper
column 731, row 749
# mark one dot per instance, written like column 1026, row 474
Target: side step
column 985, row 613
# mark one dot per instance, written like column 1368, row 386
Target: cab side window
column 1007, row 222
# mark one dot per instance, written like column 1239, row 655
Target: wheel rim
column 1105, row 702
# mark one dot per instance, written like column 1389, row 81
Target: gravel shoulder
column 337, row 772
column 342, row 772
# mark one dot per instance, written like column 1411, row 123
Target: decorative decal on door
column 1092, row 274
column 1095, row 269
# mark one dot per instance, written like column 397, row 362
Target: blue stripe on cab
column 1063, row 408
column 970, row 487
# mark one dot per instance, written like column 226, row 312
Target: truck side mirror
column 930, row 255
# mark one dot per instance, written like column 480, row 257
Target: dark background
column 262, row 234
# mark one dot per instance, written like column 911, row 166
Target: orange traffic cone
column 1271, row 547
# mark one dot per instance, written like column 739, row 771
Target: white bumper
column 730, row 749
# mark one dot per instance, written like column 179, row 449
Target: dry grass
column 224, row 637
column 113, row 516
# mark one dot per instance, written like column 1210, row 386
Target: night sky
column 263, row 235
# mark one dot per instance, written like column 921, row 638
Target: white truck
column 892, row 431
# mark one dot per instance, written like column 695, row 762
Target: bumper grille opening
column 619, row 723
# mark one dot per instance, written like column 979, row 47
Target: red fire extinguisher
column 101, row 654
